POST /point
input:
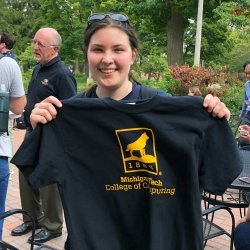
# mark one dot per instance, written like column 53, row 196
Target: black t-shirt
column 129, row 175
column 54, row 79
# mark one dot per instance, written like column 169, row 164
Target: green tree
column 17, row 19
column 239, row 54
column 171, row 19
column 237, row 18
column 68, row 18
column 164, row 25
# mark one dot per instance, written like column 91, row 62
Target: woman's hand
column 216, row 107
column 44, row 111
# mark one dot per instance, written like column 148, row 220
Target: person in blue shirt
column 246, row 100
column 11, row 78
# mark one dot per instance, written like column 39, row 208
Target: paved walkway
column 13, row 201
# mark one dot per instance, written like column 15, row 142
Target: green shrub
column 167, row 82
column 229, row 89
column 26, row 79
column 233, row 98
column 81, row 82
column 226, row 85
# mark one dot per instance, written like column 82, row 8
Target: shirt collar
column 54, row 60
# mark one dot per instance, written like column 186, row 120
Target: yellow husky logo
column 138, row 150
column 138, row 145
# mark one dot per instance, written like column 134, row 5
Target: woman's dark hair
column 245, row 64
column 109, row 22
column 5, row 38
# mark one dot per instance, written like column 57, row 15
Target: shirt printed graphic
column 138, row 150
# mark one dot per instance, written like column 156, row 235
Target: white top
column 13, row 116
column 11, row 76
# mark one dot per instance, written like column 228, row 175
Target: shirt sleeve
column 163, row 93
column 219, row 158
column 40, row 156
column 16, row 87
column 66, row 86
column 245, row 107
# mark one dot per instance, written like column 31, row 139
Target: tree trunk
column 76, row 67
column 175, row 32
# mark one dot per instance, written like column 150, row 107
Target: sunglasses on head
column 100, row 16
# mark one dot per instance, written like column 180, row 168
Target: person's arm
column 17, row 104
column 216, row 107
column 245, row 218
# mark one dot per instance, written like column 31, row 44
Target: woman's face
column 110, row 57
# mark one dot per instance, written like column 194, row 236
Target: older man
column 50, row 77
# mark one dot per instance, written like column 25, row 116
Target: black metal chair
column 232, row 198
column 6, row 246
column 212, row 230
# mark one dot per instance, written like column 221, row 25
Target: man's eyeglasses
column 40, row 45
column 100, row 16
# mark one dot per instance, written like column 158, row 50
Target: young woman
column 111, row 47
